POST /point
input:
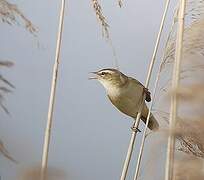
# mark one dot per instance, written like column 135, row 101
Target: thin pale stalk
column 115, row 60
column 131, row 144
column 155, row 87
column 136, row 123
column 52, row 95
column 175, row 84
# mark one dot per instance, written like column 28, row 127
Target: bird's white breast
column 111, row 90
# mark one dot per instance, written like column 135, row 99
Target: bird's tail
column 153, row 123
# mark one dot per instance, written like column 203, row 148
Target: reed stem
column 136, row 123
column 156, row 82
column 175, row 83
column 52, row 95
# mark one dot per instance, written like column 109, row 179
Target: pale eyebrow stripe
column 107, row 71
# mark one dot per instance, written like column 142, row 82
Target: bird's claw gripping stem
column 135, row 129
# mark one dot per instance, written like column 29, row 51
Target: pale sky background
column 89, row 137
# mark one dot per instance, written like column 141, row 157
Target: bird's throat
column 111, row 89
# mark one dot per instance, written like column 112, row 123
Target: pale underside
column 128, row 99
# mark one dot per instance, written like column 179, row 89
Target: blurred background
column 89, row 136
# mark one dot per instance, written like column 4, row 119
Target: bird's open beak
column 95, row 75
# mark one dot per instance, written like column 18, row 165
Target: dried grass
column 5, row 85
column 193, row 35
column 189, row 131
column 33, row 173
column 101, row 18
column 105, row 28
column 5, row 153
column 193, row 93
column 190, row 125
column 10, row 14
column 120, row 3
column 189, row 168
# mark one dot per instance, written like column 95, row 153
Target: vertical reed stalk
column 131, row 144
column 52, row 95
column 175, row 84
column 136, row 123
column 156, row 82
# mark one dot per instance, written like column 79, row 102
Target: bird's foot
column 135, row 129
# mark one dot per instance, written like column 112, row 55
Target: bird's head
column 110, row 78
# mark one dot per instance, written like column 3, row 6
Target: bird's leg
column 135, row 129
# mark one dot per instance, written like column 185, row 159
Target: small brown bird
column 125, row 93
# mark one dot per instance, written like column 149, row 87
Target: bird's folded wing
column 147, row 93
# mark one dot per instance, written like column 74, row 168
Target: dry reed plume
column 189, row 130
column 120, row 3
column 191, row 81
column 5, row 85
column 105, row 27
column 10, row 14
column 5, row 88
column 101, row 18
column 5, row 153
column 190, row 125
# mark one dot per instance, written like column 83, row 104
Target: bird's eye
column 103, row 73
